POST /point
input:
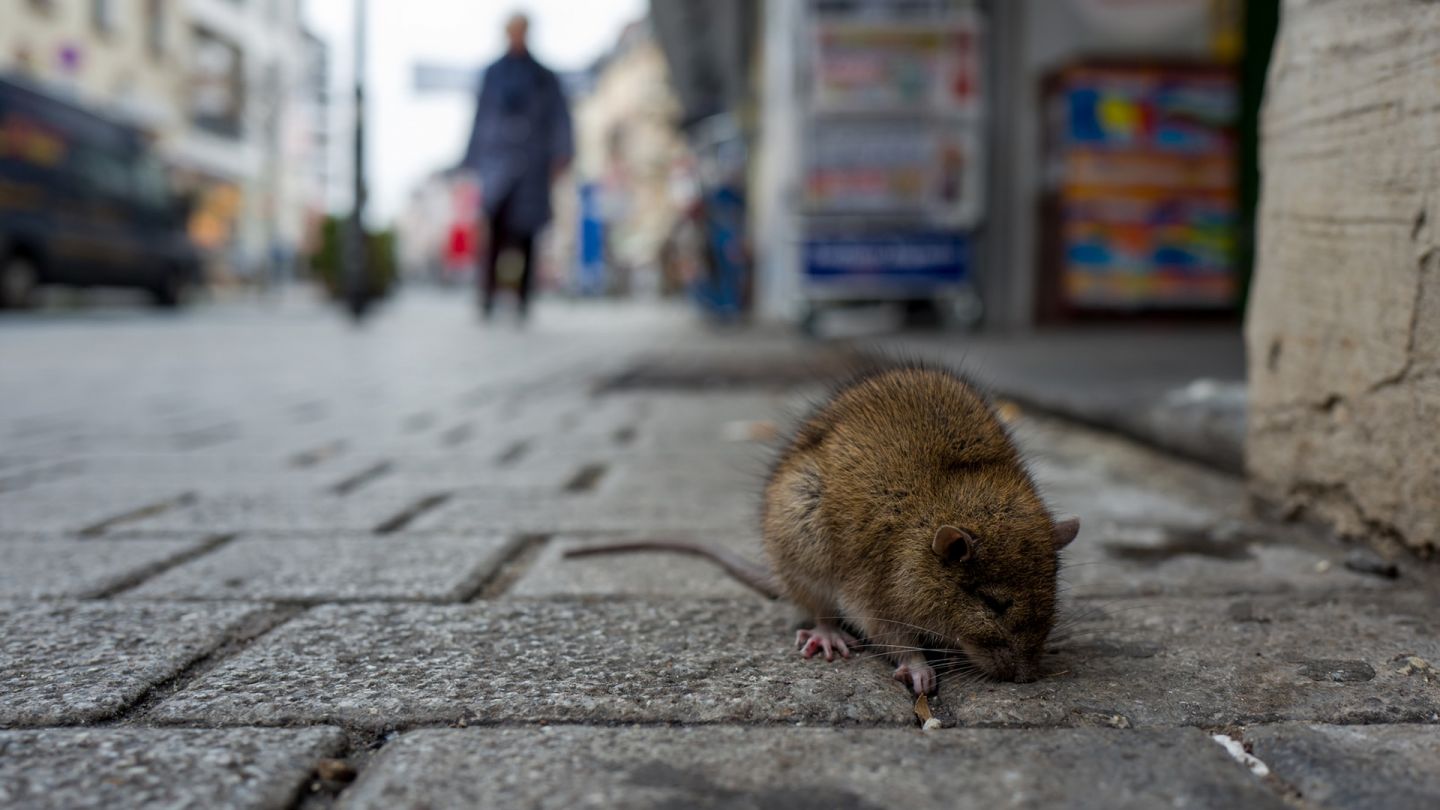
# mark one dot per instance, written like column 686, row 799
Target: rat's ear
column 1065, row 531
column 953, row 544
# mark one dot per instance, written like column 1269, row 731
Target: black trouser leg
column 491, row 276
column 526, row 244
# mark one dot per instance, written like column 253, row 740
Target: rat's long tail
column 747, row 571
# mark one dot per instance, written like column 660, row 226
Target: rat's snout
column 1005, row 664
column 1027, row 666
column 999, row 663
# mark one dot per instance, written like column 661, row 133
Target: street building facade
column 233, row 94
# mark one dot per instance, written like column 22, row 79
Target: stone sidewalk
column 250, row 557
column 1181, row 388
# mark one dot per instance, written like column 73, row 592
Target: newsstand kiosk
column 891, row 133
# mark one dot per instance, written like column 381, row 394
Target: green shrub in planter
column 327, row 262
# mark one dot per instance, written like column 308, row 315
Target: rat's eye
column 996, row 605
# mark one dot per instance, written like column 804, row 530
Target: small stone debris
column 1411, row 664
column 1365, row 561
column 750, row 430
column 1008, row 411
column 1240, row 752
column 1246, row 612
column 334, row 770
column 928, row 721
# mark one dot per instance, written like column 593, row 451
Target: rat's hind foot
column 826, row 637
column 917, row 674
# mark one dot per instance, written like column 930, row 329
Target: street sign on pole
column 357, row 287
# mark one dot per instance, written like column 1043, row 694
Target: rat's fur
column 853, row 507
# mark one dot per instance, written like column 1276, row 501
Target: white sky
column 411, row 135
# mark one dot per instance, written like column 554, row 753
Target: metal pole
column 357, row 285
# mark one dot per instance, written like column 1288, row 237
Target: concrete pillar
column 1343, row 331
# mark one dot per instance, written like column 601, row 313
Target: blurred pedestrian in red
column 520, row 143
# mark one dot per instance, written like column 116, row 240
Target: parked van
column 84, row 201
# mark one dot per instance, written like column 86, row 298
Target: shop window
column 155, row 19
column 104, row 16
column 217, row 85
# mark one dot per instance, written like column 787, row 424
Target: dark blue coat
column 521, row 131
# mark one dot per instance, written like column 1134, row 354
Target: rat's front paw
column 826, row 637
column 918, row 675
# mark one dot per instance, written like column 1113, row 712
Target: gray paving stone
column 1108, row 477
column 605, row 662
column 643, row 574
column 293, row 513
column 475, row 473
column 152, row 479
column 340, row 568
column 1141, row 560
column 1354, row 766
column 77, row 662
column 1096, row 499
column 43, row 568
column 727, row 767
column 173, row 466
column 21, row 512
column 145, row 767
column 1151, row 525
column 33, row 475
column 1216, row 661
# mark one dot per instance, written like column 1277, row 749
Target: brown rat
column 902, row 508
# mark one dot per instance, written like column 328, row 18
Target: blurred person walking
column 520, row 143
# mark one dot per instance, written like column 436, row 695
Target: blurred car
column 85, row 202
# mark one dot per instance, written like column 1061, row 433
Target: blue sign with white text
column 908, row 259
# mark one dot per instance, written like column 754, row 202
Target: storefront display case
column 891, row 176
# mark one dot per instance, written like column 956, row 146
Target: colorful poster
column 870, row 67
column 1147, row 187
column 922, row 167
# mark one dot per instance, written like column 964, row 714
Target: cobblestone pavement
column 251, row 557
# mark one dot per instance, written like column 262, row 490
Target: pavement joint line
column 265, row 620
column 139, row 578
column 586, row 478
column 356, row 752
column 466, row 588
column 458, row 435
column 361, row 748
column 513, row 453
column 398, row 728
column 316, row 455
column 354, row 482
column 478, row 396
column 149, row 510
column 513, row 390
column 207, row 436
column 514, row 563
column 309, row 411
column 400, row 520
column 418, row 422
column 29, row 477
